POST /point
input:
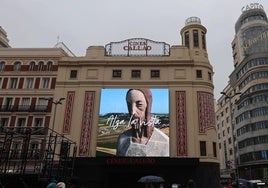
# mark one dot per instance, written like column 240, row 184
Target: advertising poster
column 133, row 122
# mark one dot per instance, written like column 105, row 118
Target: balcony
column 24, row 130
column 24, row 108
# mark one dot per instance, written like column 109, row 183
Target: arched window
column 17, row 66
column 49, row 66
column 32, row 65
column 2, row 65
column 41, row 66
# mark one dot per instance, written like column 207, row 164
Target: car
column 251, row 183
column 257, row 184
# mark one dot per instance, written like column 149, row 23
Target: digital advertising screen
column 133, row 122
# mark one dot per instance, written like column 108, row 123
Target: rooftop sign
column 137, row 47
column 252, row 6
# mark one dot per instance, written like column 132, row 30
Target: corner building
column 249, row 108
column 89, row 116
column 250, row 78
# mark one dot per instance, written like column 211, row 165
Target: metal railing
column 32, row 150
column 24, row 108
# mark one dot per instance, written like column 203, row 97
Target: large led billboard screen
column 133, row 122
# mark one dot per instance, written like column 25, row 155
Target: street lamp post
column 229, row 97
column 56, row 102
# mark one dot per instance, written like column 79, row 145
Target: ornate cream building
column 51, row 77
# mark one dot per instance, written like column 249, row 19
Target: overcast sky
column 83, row 23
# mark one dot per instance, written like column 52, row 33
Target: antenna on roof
column 58, row 39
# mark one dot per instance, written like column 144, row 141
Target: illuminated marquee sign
column 252, row 6
column 137, row 47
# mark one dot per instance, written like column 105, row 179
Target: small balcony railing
column 23, row 108
column 24, row 130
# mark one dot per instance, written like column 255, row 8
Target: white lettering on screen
column 114, row 122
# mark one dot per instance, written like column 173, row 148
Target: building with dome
column 242, row 114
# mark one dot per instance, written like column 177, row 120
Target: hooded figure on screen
column 142, row 139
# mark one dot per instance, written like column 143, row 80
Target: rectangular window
column 186, row 36
column 229, row 140
column 21, row 122
column 13, row 83
column 15, row 150
column 73, row 74
column 209, row 76
column 203, row 149
column 155, row 73
column 2, row 66
column 34, row 152
column 117, row 73
column 25, row 104
column 3, row 123
column 214, row 145
column 29, row 83
column 38, row 122
column 204, row 40
column 231, row 151
column 0, row 82
column 195, row 37
column 8, row 104
column 45, row 83
column 41, row 105
column 199, row 73
column 136, row 74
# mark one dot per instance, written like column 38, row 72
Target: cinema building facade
column 85, row 101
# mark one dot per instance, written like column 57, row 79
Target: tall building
column 244, row 105
column 94, row 105
column 3, row 38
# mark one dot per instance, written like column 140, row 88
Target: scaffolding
column 36, row 151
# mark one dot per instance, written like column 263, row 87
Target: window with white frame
column 32, row 65
column 2, row 65
column 49, row 66
column 8, row 103
column 3, row 122
column 21, row 122
column 45, row 83
column 13, row 83
column 17, row 66
column 29, row 83
column 34, row 152
column 38, row 122
column 25, row 103
column 15, row 150
column 20, row 126
column 41, row 104
column 41, row 66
